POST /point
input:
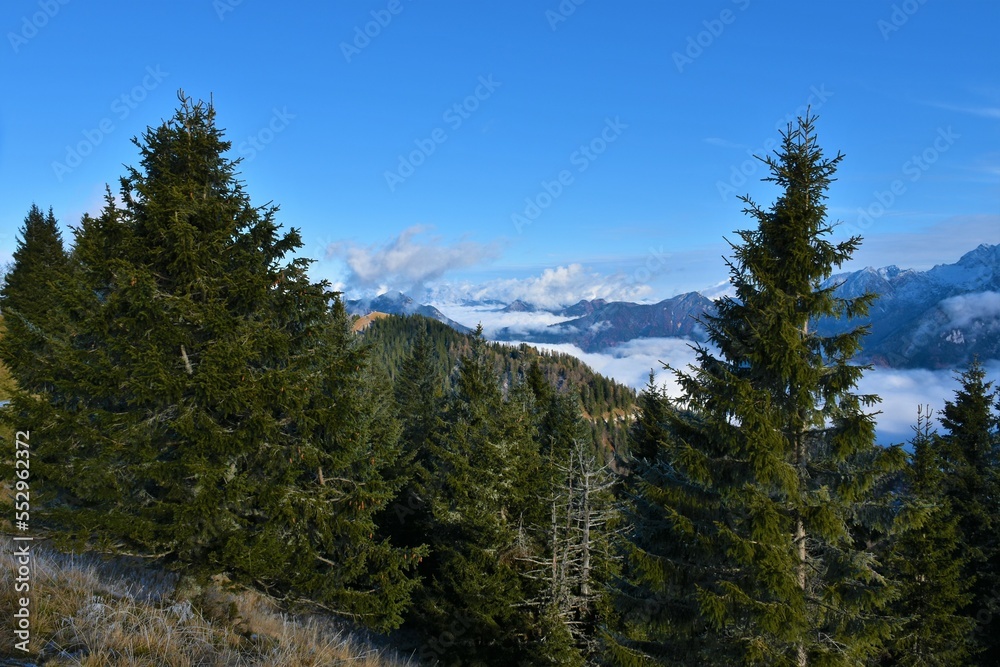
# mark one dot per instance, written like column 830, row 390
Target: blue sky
column 411, row 156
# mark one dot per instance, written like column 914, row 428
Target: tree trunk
column 800, row 528
column 585, row 538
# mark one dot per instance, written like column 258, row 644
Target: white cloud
column 493, row 318
column 407, row 262
column 961, row 310
column 553, row 288
column 901, row 391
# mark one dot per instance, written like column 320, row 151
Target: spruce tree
column 215, row 409
column 970, row 450
column 29, row 301
column 929, row 563
column 571, row 563
column 418, row 392
column 648, row 432
column 488, row 477
column 744, row 545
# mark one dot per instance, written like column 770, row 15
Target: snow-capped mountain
column 397, row 303
column 939, row 318
column 599, row 325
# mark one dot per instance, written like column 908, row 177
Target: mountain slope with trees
column 607, row 405
column 198, row 403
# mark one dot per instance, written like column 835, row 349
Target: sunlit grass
column 89, row 611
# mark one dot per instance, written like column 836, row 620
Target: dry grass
column 90, row 612
column 365, row 321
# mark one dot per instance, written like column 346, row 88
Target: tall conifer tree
column 29, row 300
column 489, row 478
column 216, row 409
column 418, row 391
column 930, row 563
column 744, row 547
column 649, row 431
column 970, row 450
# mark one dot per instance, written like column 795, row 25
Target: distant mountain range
column 598, row 325
column 939, row 318
column 397, row 303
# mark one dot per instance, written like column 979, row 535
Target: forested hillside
column 185, row 394
column 607, row 405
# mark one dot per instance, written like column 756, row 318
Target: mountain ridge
column 396, row 303
column 942, row 317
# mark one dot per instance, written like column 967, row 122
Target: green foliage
column 930, row 563
column 744, row 547
column 970, row 453
column 32, row 317
column 205, row 402
column 487, row 469
column 392, row 337
column 419, row 400
column 649, row 433
column 40, row 261
column 486, row 490
column 199, row 400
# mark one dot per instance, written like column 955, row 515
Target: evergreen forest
column 195, row 399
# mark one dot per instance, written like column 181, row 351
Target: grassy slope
column 88, row 611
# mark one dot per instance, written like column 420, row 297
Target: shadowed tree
column 488, row 478
column 418, row 403
column 970, row 450
column 929, row 562
column 214, row 408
